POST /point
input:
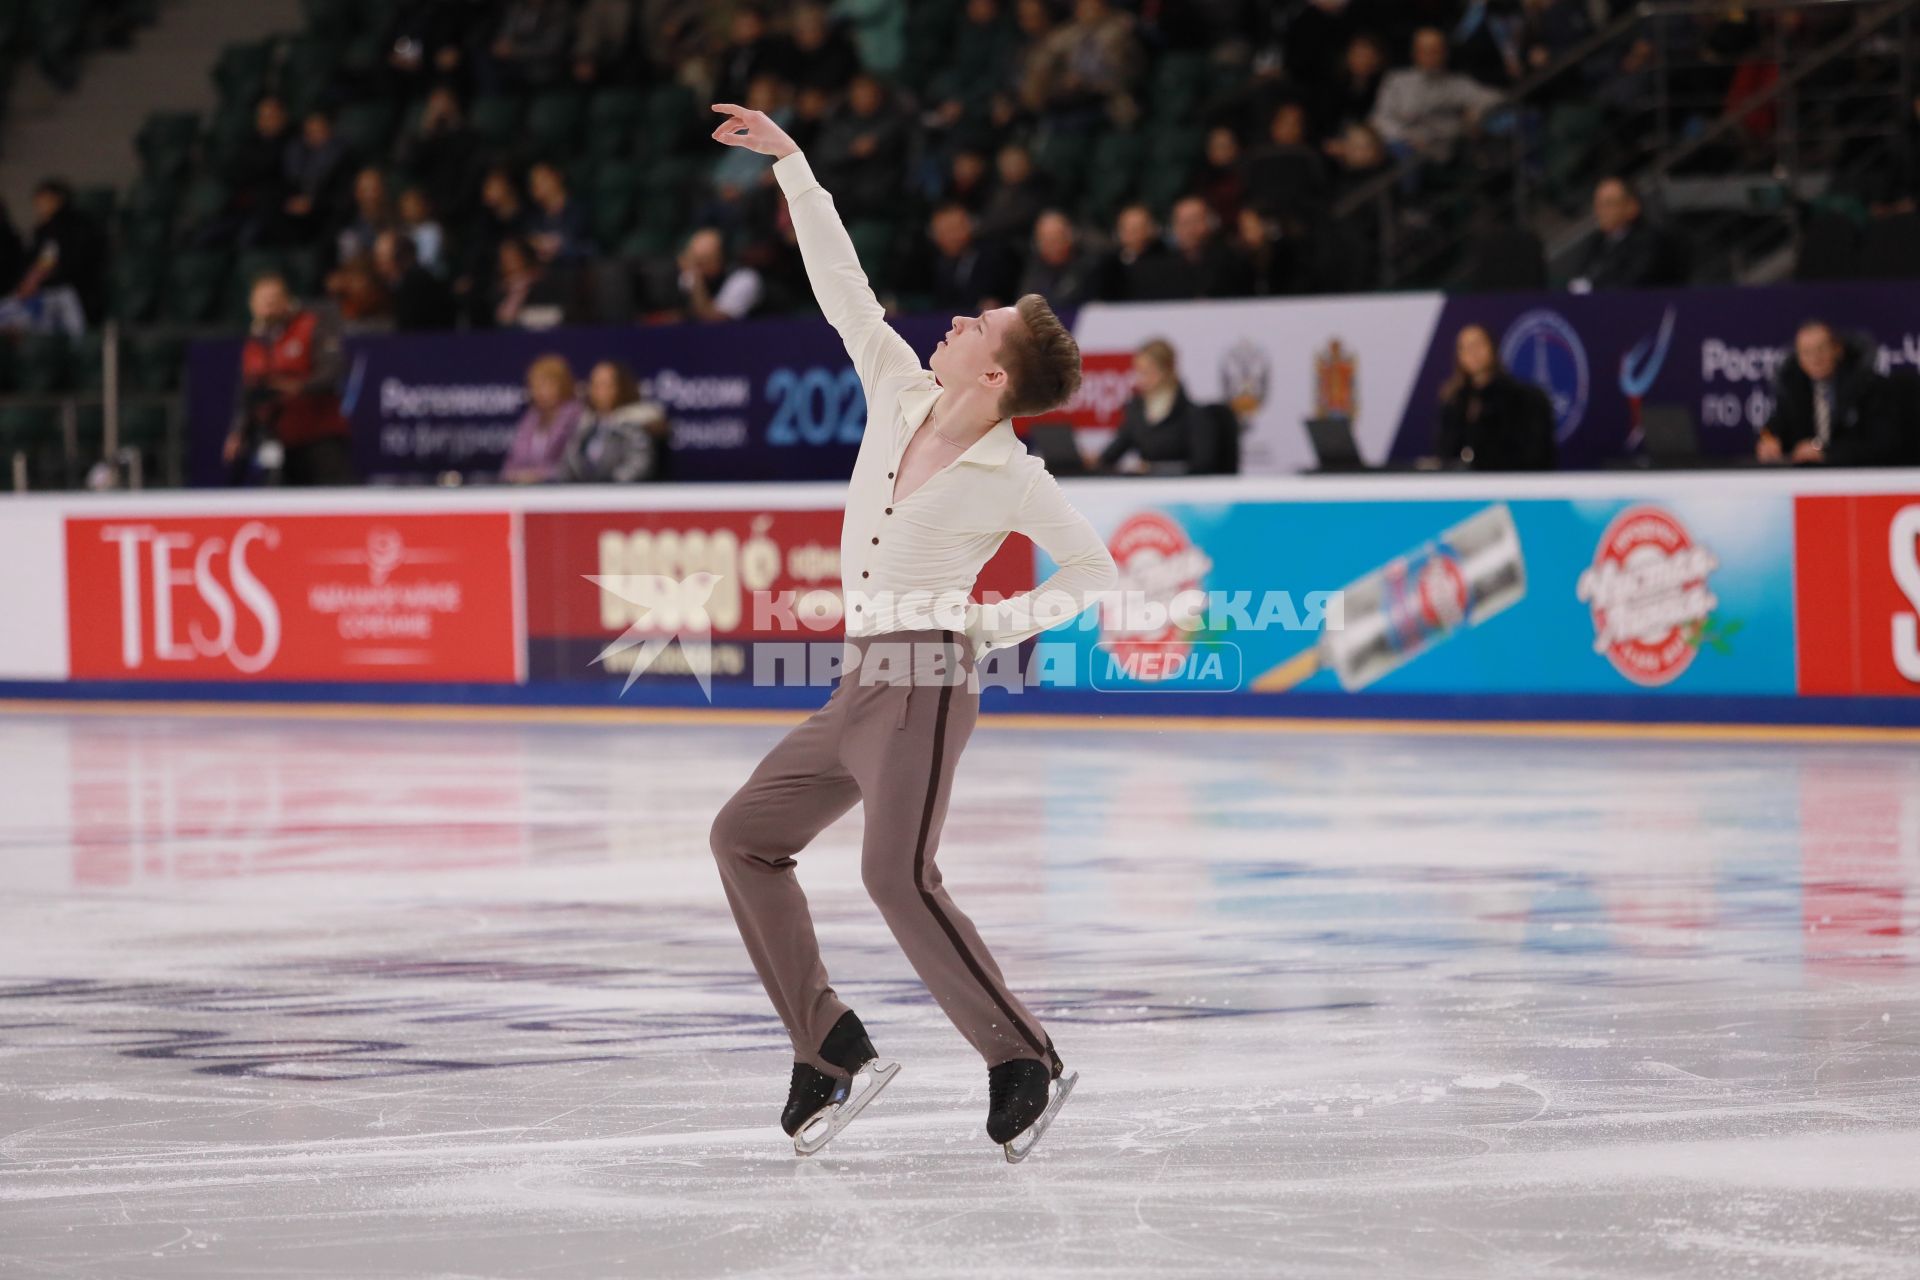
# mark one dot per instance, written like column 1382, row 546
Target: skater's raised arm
column 833, row 268
column 1085, row 570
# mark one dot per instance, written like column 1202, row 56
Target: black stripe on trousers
column 920, row 862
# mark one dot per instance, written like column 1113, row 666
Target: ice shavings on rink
column 285, row 998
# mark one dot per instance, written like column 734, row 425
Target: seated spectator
column 862, row 156
column 1201, row 265
column 822, row 55
column 1627, row 251
column 1829, row 405
column 529, row 48
column 359, row 296
column 372, row 214
column 287, row 412
column 1287, row 177
column 1137, row 251
column 423, row 228
column 752, row 50
column 1425, row 110
column 419, row 300
column 966, row 273
column 1489, row 419
column 1272, row 256
column 1087, row 69
column 1057, row 269
column 524, row 295
column 983, row 59
column 1361, row 157
column 621, row 438
column 64, row 282
column 1349, row 95
column 711, row 288
column 967, row 182
column 316, row 175
column 441, row 153
column 256, row 174
column 558, row 226
column 1018, row 196
column 1223, row 179
column 736, row 172
column 603, row 42
column 1160, row 428
column 547, row 427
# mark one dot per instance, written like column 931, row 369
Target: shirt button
column 856, row 608
column 889, row 475
column 865, row 574
column 889, row 510
column 876, row 542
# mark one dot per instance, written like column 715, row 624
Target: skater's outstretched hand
column 752, row 130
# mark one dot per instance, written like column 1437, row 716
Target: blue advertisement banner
column 1688, row 595
column 1603, row 357
column 760, row 400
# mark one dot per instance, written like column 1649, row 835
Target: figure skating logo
column 1157, row 563
column 1336, row 382
column 1648, row 592
column 1542, row 348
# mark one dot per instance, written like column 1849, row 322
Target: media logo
column 1542, row 348
column 1649, row 595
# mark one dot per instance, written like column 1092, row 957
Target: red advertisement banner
column 1857, row 594
column 777, row 577
column 293, row 597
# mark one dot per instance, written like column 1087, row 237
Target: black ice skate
column 1023, row 1097
column 819, row 1106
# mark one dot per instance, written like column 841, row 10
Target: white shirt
column 910, row 564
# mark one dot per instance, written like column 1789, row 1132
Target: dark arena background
column 1475, row 834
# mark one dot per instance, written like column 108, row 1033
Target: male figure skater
column 939, row 481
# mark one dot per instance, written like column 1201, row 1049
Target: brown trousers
column 888, row 737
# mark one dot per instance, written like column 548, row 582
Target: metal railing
column 125, row 465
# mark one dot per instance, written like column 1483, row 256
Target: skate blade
column 825, row 1124
column 1022, row 1146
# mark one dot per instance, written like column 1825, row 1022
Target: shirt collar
column 990, row 450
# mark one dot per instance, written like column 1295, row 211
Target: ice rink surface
column 294, row 998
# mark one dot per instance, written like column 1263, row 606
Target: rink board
column 1788, row 597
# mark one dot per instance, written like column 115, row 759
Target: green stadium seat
column 204, row 199
column 1064, row 158
column 553, row 122
column 166, row 143
column 616, row 197
column 333, row 19
column 305, row 268
column 97, row 203
column 1179, row 86
column 143, row 428
column 495, row 121
column 151, row 361
column 614, row 119
column 367, row 129
column 35, row 433
column 40, row 363
column 196, row 286
column 873, row 241
column 86, row 362
column 307, row 67
column 137, row 279
column 240, row 73
column 671, row 118
column 1112, row 176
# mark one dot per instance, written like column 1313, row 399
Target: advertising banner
column 775, row 578
column 1686, row 595
column 1277, row 362
column 1857, row 584
column 293, row 597
column 762, row 400
column 1603, row 357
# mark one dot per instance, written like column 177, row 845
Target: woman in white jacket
column 622, row 438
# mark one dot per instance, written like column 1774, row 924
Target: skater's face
column 969, row 354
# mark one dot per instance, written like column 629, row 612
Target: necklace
column 931, row 422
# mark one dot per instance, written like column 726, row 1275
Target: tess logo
column 172, row 569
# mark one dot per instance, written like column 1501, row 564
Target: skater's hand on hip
column 752, row 130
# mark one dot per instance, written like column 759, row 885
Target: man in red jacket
column 288, row 412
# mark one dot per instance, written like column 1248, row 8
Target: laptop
column 1333, row 443
column 1054, row 442
column 1669, row 434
